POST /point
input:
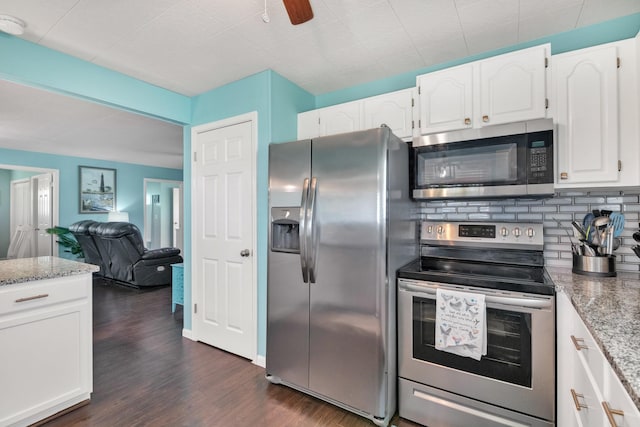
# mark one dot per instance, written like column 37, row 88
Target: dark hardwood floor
column 146, row 374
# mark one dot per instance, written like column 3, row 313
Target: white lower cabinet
column 45, row 348
column 589, row 391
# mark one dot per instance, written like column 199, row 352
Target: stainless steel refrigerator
column 341, row 224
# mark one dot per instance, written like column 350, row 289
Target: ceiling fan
column 299, row 11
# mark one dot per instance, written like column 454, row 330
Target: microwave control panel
column 540, row 161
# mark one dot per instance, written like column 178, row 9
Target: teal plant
column 66, row 240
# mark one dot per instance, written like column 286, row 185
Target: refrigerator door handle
column 303, row 230
column 311, row 231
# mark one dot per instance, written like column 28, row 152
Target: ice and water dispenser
column 285, row 229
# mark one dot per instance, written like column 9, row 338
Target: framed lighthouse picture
column 97, row 190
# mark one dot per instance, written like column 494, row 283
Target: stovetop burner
column 502, row 256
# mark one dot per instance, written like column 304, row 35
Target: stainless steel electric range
column 514, row 383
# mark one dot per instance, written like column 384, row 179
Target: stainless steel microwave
column 511, row 160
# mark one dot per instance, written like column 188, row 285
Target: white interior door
column 21, row 221
column 43, row 214
column 224, row 280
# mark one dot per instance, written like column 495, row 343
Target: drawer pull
column 579, row 343
column 32, row 298
column 576, row 400
column 611, row 412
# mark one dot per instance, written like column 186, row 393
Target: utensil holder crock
column 598, row 266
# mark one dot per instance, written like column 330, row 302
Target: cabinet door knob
column 578, row 343
column 485, row 119
column 245, row 253
column 467, row 121
column 576, row 400
column 564, row 175
column 611, row 412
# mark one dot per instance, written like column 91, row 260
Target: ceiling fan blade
column 299, row 11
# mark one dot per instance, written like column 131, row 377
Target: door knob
column 245, row 253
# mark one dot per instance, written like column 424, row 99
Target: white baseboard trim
column 260, row 361
column 188, row 333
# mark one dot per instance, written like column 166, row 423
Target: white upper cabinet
column 596, row 115
column 446, row 99
column 340, row 118
column 513, row 86
column 308, row 124
column 503, row 89
column 393, row 109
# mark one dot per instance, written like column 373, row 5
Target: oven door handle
column 513, row 301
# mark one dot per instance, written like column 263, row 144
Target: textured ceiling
column 192, row 46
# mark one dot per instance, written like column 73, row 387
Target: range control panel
column 496, row 234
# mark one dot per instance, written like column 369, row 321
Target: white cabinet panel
column 587, row 115
column 308, row 124
column 512, row 86
column 393, row 109
column 596, row 112
column 340, row 118
column 446, row 99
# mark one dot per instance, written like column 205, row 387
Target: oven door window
column 508, row 344
column 494, row 161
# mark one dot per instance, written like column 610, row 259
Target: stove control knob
column 530, row 232
column 440, row 229
column 504, row 232
column 517, row 232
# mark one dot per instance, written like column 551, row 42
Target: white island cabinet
column 45, row 340
column 589, row 391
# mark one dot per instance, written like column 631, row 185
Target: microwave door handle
column 311, row 231
column 430, row 292
column 303, row 230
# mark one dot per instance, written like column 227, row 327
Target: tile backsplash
column 555, row 213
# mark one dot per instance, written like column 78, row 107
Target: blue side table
column 177, row 286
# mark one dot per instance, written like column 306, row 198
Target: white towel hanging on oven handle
column 461, row 323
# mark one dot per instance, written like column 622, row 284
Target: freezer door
column 287, row 294
column 349, row 301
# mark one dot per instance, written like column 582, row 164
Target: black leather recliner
column 123, row 257
column 80, row 231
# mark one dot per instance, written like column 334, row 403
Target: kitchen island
column 609, row 308
column 45, row 337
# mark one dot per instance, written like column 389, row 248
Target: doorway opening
column 29, row 200
column 163, row 214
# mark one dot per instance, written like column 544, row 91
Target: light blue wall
column 130, row 187
column 277, row 102
column 609, row 31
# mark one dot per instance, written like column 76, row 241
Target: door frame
column 196, row 288
column 55, row 193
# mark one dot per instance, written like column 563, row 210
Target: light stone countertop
column 47, row 267
column 610, row 307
